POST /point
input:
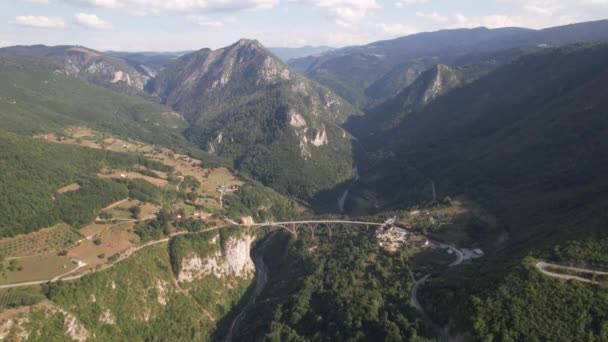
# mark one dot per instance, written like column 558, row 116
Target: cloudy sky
column 173, row 25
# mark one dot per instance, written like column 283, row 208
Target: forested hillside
column 96, row 67
column 370, row 73
column 340, row 287
column 32, row 171
column 527, row 141
column 35, row 99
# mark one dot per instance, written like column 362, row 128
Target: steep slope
column 352, row 72
column 35, row 98
column 527, row 141
column 246, row 105
column 430, row 85
column 91, row 65
column 492, row 131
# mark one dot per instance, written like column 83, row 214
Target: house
column 400, row 231
column 178, row 216
column 122, row 175
column 77, row 262
column 478, row 251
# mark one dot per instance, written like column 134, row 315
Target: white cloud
column 401, row 3
column 147, row 7
column 39, row 21
column 200, row 20
column 460, row 20
column 434, row 16
column 343, row 12
column 91, row 21
column 37, row 1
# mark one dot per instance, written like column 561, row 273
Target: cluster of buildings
column 223, row 188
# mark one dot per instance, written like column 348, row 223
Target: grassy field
column 46, row 240
column 120, row 174
column 95, row 228
column 40, row 267
column 120, row 210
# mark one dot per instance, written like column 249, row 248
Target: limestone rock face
column 233, row 259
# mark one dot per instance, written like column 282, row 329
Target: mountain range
column 353, row 71
column 511, row 122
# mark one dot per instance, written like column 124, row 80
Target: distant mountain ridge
column 352, row 72
column 154, row 61
column 286, row 53
column 89, row 64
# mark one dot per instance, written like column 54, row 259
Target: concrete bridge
column 313, row 225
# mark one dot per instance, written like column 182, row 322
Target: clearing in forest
column 68, row 188
column 123, row 174
column 121, row 210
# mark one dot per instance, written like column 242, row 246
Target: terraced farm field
column 43, row 241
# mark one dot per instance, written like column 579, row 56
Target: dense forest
column 341, row 288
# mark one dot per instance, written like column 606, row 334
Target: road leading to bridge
column 130, row 253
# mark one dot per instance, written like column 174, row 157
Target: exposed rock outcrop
column 232, row 259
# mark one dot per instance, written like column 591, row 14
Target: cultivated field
column 39, row 267
column 43, row 241
column 112, row 240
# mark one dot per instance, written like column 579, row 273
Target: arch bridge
column 312, row 225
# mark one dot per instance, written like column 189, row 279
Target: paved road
column 414, row 293
column 541, row 266
column 442, row 333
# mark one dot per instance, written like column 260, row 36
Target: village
column 392, row 237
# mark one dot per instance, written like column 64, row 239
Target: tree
column 135, row 211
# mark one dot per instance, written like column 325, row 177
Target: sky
column 178, row 25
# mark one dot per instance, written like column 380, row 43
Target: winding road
column 442, row 333
column 542, row 267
